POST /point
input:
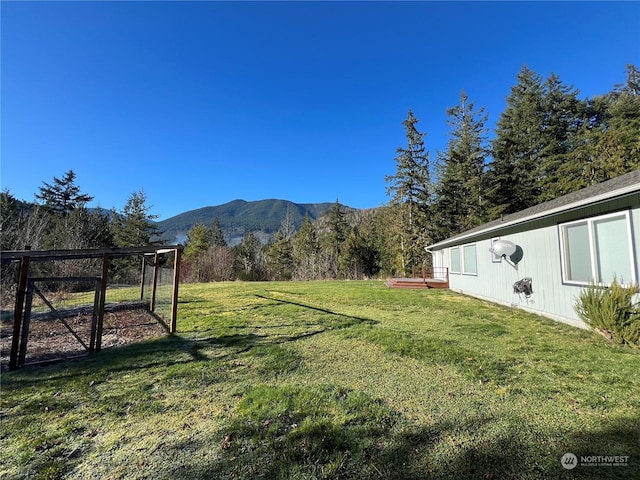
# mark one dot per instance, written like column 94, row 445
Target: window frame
column 590, row 222
column 495, row 258
column 451, row 269
column 463, row 259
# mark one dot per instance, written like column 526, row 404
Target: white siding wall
column 540, row 261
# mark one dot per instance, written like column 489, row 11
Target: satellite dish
column 503, row 248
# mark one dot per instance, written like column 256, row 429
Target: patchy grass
column 330, row 380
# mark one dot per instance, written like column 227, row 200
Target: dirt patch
column 51, row 340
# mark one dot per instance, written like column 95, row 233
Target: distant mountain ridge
column 262, row 217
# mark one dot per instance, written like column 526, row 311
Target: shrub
column 611, row 311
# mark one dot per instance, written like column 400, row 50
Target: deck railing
column 435, row 273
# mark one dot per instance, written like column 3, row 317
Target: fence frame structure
column 25, row 289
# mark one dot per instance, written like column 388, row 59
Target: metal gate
column 47, row 316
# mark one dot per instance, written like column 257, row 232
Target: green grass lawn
column 330, row 380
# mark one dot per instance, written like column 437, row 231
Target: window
column 495, row 258
column 469, row 259
column 455, row 259
column 463, row 259
column 597, row 250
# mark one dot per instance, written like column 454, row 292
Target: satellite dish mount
column 507, row 250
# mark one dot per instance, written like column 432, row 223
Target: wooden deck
column 422, row 277
column 417, row 283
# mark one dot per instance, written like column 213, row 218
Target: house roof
column 610, row 189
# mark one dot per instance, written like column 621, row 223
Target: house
column 560, row 246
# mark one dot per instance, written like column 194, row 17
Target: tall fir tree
column 280, row 257
column 607, row 144
column 516, row 147
column 619, row 144
column 338, row 228
column 250, row 262
column 460, row 191
column 198, row 241
column 360, row 255
column 410, row 190
column 63, row 195
column 217, row 237
column 134, row 226
column 305, row 252
column 564, row 115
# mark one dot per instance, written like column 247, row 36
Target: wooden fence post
column 156, row 270
column 103, row 294
column 18, row 312
column 95, row 315
column 26, row 321
column 174, row 298
column 143, row 274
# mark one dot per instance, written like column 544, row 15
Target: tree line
column 60, row 220
column 547, row 142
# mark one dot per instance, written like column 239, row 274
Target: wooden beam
column 103, row 294
column 176, row 282
column 154, row 284
column 143, row 273
column 18, row 312
column 42, row 255
column 26, row 321
column 94, row 316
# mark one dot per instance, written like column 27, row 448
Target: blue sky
column 201, row 103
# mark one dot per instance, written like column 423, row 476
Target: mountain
column 263, row 217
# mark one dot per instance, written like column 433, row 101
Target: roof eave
column 459, row 239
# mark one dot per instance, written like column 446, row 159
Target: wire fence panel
column 57, row 305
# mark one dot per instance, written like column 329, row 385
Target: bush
column 611, row 311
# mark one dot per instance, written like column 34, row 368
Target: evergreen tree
column 516, row 147
column 217, row 237
column 460, row 202
column 198, row 241
column 134, row 226
column 387, row 237
column 88, row 229
column 336, row 235
column 280, row 257
column 410, row 188
column 250, row 263
column 63, row 196
column 306, row 252
column 280, row 252
column 564, row 116
column 360, row 255
column 619, row 143
column 607, row 144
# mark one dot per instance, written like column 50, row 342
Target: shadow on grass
column 183, row 349
column 471, row 363
column 341, row 320
column 324, row 432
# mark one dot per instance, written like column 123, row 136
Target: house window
column 455, row 259
column 469, row 262
column 495, row 258
column 597, row 250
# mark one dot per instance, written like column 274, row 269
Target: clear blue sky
column 201, row 103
